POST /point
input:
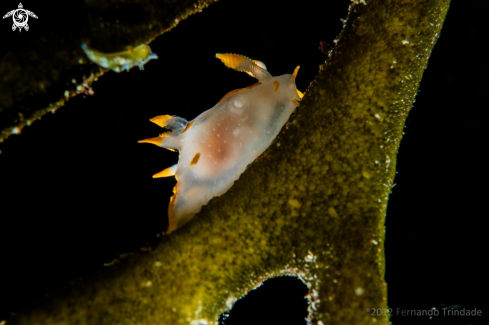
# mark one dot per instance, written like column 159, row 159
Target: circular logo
column 20, row 18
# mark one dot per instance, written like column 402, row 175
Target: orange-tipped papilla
column 299, row 93
column 170, row 171
column 296, row 71
column 156, row 141
column 294, row 74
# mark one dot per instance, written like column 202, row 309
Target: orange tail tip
column 157, row 141
column 170, row 171
column 160, row 120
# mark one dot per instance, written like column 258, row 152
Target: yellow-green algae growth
column 314, row 207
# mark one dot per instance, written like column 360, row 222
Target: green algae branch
column 313, row 207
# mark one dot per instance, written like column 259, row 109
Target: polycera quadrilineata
column 123, row 60
column 216, row 146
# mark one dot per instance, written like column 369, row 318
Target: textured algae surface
column 313, row 206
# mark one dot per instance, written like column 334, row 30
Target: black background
column 76, row 188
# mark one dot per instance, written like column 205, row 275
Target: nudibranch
column 120, row 61
column 215, row 147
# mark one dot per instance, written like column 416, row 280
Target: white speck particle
column 15, row 130
column 404, row 42
column 121, row 61
column 158, row 264
column 375, row 242
column 230, row 301
column 201, row 321
column 310, row 258
column 359, row 291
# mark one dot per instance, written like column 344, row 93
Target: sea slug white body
column 217, row 145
